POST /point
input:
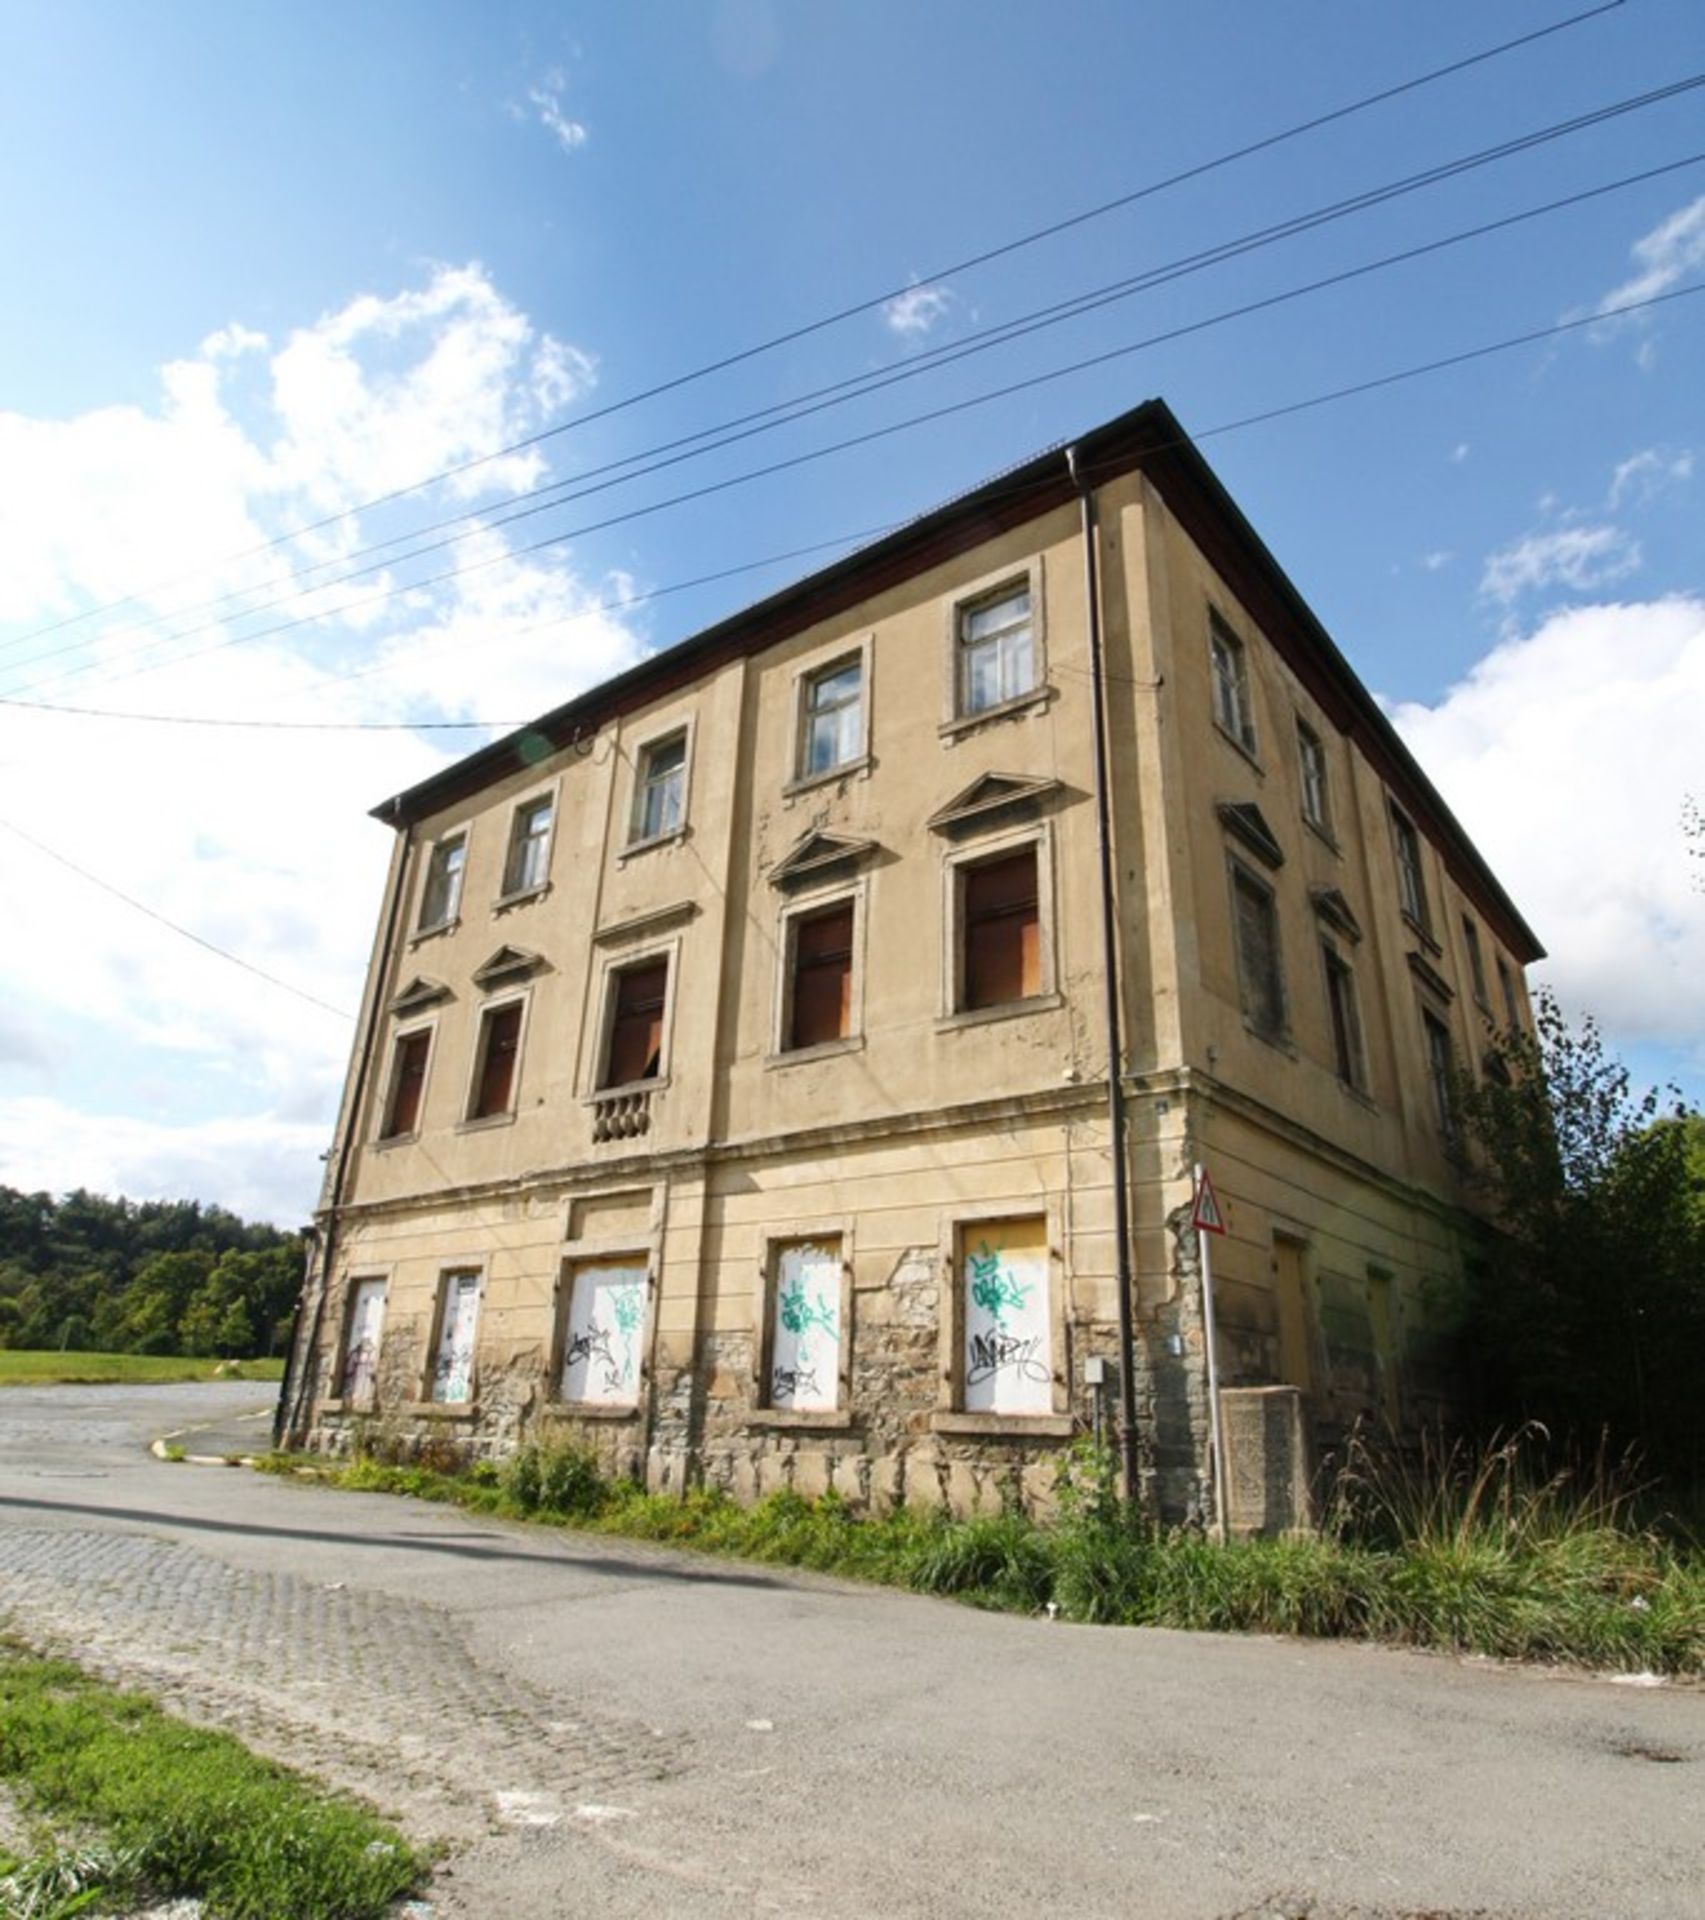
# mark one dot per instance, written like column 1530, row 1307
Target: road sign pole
column 1206, row 1208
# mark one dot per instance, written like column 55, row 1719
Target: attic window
column 996, row 649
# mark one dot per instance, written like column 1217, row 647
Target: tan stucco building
column 732, row 1087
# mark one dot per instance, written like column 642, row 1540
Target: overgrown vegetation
column 144, row 1805
column 156, row 1277
column 1588, row 1314
column 1478, row 1553
column 71, row 1368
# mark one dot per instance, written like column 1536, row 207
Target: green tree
column 1589, row 1316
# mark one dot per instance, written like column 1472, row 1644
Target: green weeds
column 1472, row 1553
column 177, row 1811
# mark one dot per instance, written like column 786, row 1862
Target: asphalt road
column 604, row 1729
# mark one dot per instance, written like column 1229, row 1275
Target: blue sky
column 270, row 262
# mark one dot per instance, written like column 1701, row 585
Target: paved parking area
column 608, row 1729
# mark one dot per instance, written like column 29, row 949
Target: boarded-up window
column 821, row 987
column 1003, row 1271
column 1001, row 930
column 1258, row 954
column 359, row 1379
column 636, row 1024
column 500, row 1043
column 453, row 1358
column 805, row 1327
column 603, row 1336
column 408, row 1084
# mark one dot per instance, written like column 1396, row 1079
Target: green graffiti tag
column 628, row 1308
column 800, row 1313
column 995, row 1291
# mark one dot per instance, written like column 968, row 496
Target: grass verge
column 29, row 1369
column 1482, row 1559
column 160, row 1808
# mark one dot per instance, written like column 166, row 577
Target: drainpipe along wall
column 300, row 1362
column 1110, row 976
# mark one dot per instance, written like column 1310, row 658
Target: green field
column 20, row 1369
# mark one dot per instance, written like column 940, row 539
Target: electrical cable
column 1195, row 172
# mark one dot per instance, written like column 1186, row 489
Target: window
column 1440, row 1073
column 452, row 1380
column 1476, row 960
column 820, row 977
column 602, row 1340
column 529, row 848
column 831, row 730
column 634, row 1050
column 494, row 1072
column 1411, row 882
column 408, row 1084
column 660, row 797
column 1346, row 1019
column 358, row 1378
column 1232, row 710
column 802, row 1338
column 442, row 894
column 1507, row 987
column 1003, row 1276
column 1000, row 928
column 996, row 649
column 1258, row 968
column 1311, row 762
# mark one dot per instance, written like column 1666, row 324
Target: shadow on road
column 410, row 1542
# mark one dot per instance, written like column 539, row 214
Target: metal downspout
column 299, row 1365
column 1110, row 976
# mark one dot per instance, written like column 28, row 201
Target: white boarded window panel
column 805, row 1337
column 361, row 1354
column 453, row 1367
column 606, row 1317
column 1004, row 1274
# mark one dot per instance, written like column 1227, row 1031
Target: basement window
column 406, row 1092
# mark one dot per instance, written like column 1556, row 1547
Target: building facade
column 732, row 1088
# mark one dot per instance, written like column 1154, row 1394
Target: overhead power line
column 811, row 455
column 1356, row 388
column 801, row 406
column 223, row 953
column 871, row 303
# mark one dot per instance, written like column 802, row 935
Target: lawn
column 24, row 1369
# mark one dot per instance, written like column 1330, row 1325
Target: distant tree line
column 84, row 1272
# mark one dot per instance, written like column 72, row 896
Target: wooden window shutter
column 822, row 978
column 408, row 1082
column 1002, row 931
column 497, row 1065
column 636, row 1028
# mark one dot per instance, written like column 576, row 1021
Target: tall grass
column 1483, row 1552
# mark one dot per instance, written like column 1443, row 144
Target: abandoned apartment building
column 732, row 1089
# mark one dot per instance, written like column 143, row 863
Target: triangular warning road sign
column 1207, row 1217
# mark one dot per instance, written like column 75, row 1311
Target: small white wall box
column 1095, row 1371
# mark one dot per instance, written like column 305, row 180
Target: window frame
column 1440, row 1074
column 1311, row 750
column 951, row 1416
column 774, row 1245
column 792, row 913
column 430, row 1400
column 1223, row 636
column 1412, row 898
column 383, row 1133
column 638, row 841
column 1026, row 575
column 512, row 894
column 1512, row 994
column 521, row 998
column 461, row 836
column 1349, row 1046
column 611, row 966
column 1240, row 874
column 821, row 667
column 957, row 861
column 588, row 1258
column 1476, row 963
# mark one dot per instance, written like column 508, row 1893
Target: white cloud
column 255, row 840
column 1460, row 452
column 1674, row 247
column 546, row 102
column 1567, row 753
column 1646, row 474
column 916, row 313
column 1581, row 558
column 1437, row 560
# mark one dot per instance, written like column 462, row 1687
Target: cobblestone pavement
column 614, row 1730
